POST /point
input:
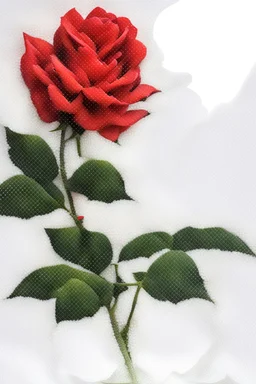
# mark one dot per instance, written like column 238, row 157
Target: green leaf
column 146, row 245
column 44, row 283
column 76, row 300
column 55, row 193
column 174, row 277
column 190, row 238
column 139, row 276
column 99, row 180
column 91, row 250
column 33, row 156
column 23, row 197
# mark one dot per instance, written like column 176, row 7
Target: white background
column 183, row 166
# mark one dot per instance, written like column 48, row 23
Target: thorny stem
column 126, row 329
column 123, row 347
column 64, row 178
column 120, row 341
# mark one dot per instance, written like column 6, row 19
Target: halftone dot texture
column 87, row 75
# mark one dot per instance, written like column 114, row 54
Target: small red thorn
column 80, row 218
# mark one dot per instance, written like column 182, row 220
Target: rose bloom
column 90, row 75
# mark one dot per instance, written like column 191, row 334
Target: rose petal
column 128, row 78
column 101, row 33
column 112, row 47
column 37, row 52
column 65, row 51
column 42, row 46
column 73, row 17
column 111, row 76
column 67, row 77
column 104, row 118
column 135, row 52
column 80, row 73
column 62, row 43
column 142, row 92
column 43, row 104
column 123, row 23
column 111, row 133
column 78, row 37
column 95, row 69
column 42, row 75
column 99, row 96
column 100, row 12
column 26, row 64
column 61, row 103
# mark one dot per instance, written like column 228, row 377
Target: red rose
column 90, row 75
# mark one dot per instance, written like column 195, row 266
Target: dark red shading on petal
column 111, row 133
column 95, row 68
column 126, row 79
column 42, row 75
column 40, row 98
column 141, row 92
column 62, row 42
column 96, row 122
column 78, row 37
column 61, row 103
column 67, row 77
column 99, row 96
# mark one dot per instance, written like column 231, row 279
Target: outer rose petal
column 100, row 12
column 43, row 104
column 42, row 75
column 135, row 52
column 126, row 79
column 37, row 52
column 28, row 60
column 78, row 37
column 123, row 23
column 42, row 46
column 99, row 96
column 62, row 42
column 74, row 18
column 111, row 133
column 142, row 92
column 99, row 32
column 96, row 122
column 61, row 103
column 67, row 77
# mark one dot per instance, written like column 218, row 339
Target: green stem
column 122, row 347
column 127, row 284
column 78, row 145
column 126, row 329
column 64, row 178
